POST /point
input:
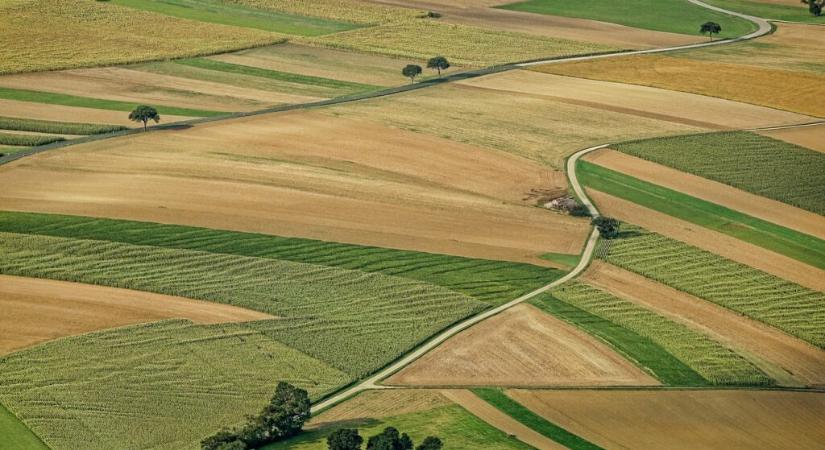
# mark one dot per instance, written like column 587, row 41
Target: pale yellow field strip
column 809, row 137
column 754, row 205
column 35, row 310
column 681, row 107
column 688, row 420
column 381, row 403
column 45, row 111
column 789, row 360
column 490, row 414
column 522, row 346
column 712, row 241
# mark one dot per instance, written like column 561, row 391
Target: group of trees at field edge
column 389, row 439
column 814, row 6
column 438, row 63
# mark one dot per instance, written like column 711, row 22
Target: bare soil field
column 788, row 90
column 36, row 310
column 726, row 246
column 481, row 14
column 533, row 126
column 810, row 137
column 693, row 419
column 308, row 175
column 116, row 83
column 755, row 205
column 322, row 62
column 789, row 360
column 522, row 346
column 381, row 403
column 44, row 111
column 493, row 416
column 712, row 241
column 661, row 104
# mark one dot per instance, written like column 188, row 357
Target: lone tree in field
column 608, row 226
column 411, row 71
column 710, row 28
column 438, row 63
column 344, row 439
column 815, row 7
column 144, row 114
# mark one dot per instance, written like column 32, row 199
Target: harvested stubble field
column 748, row 161
column 535, row 127
column 164, row 385
column 351, row 11
column 25, row 110
column 418, row 412
column 716, row 363
column 522, row 346
column 799, row 92
column 812, row 137
column 62, row 34
column 789, row 307
column 728, row 167
column 36, row 310
column 693, row 419
column 788, row 360
column 339, row 179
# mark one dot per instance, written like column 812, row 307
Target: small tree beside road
column 710, row 28
column 144, row 114
column 411, row 71
column 608, row 226
column 438, row 63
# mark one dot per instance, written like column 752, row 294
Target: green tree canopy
column 430, row 443
column 411, row 71
column 439, row 63
column 608, row 226
column 344, row 439
column 710, row 28
column 144, row 113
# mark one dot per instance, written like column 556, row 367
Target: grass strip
column 349, row 87
column 27, row 140
column 53, row 98
column 791, row 243
column 16, row 435
column 493, row 282
column 532, row 420
column 770, row 10
column 758, row 164
column 226, row 13
column 47, row 126
column 646, row 353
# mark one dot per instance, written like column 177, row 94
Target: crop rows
column 493, row 282
column 354, row 320
column 754, row 163
column 46, row 126
column 713, row 361
column 352, row 11
column 27, row 140
column 164, row 385
column 792, row 308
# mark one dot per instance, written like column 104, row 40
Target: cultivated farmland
column 787, row 306
column 809, row 137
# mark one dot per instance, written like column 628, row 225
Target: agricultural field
column 17, row 435
column 789, row 10
column 753, row 163
column 664, row 15
column 694, row 418
column 758, row 295
column 812, row 137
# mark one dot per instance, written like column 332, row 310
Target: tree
column 430, row 443
column 234, row 445
column 220, row 440
column 345, row 439
column 439, row 63
column 411, row 71
column 405, row 443
column 389, row 439
column 710, row 28
column 815, row 7
column 144, row 114
column 608, row 226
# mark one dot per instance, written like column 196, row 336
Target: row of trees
column 389, row 439
column 438, row 63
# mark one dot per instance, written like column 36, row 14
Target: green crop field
column 87, row 102
column 46, row 126
column 792, row 308
column 27, row 140
column 164, row 385
column 784, row 241
column 515, row 410
column 226, row 13
column 675, row 16
column 492, row 282
column 770, row 10
column 710, row 359
column 758, row 164
column 646, row 353
column 16, row 435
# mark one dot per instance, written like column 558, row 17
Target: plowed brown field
column 308, row 175
column 685, row 419
column 522, row 346
column 810, row 137
column 789, row 360
column 712, row 241
column 36, row 310
column 712, row 191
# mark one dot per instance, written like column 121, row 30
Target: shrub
column 608, row 226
